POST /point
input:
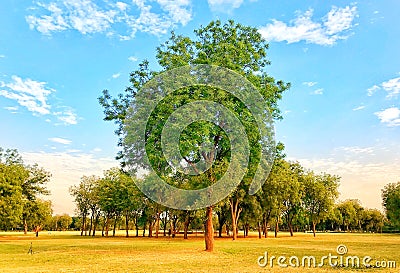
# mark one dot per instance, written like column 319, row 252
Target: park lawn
column 69, row 252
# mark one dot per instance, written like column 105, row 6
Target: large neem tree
column 232, row 46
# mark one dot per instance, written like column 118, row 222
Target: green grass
column 69, row 252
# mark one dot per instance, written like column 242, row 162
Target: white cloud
column 178, row 10
column 224, row 5
column 35, row 96
column 390, row 116
column 392, row 87
column 67, row 117
column 89, row 16
column 2, row 56
column 132, row 59
column 28, row 93
column 11, row 108
column 372, row 90
column 359, row 108
column 60, row 140
column 67, row 168
column 309, row 84
column 332, row 27
column 116, row 75
column 122, row 6
column 319, row 91
column 356, row 150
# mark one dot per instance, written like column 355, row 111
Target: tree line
column 292, row 199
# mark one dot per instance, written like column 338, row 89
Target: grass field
column 69, row 252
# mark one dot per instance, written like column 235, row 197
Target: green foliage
column 321, row 192
column 20, row 186
column 391, row 203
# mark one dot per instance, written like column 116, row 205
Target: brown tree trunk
column 137, row 226
column 83, row 224
column 25, row 227
column 127, row 224
column 313, row 227
column 185, row 229
column 265, row 227
column 235, row 212
column 209, row 230
column 96, row 220
column 107, row 224
column 290, row 229
column 259, row 230
column 91, row 223
column 151, row 225
column 115, row 224
column 157, row 224
column 276, row 227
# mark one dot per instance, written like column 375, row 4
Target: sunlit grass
column 69, row 252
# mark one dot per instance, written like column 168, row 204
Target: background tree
column 11, row 205
column 321, row 192
column 82, row 193
column 350, row 211
column 230, row 45
column 20, row 186
column 391, row 203
column 38, row 213
column 372, row 220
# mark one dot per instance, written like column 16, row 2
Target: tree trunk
column 313, row 227
column 265, row 227
column 102, row 228
column 91, row 223
column 290, row 229
column 107, row 224
column 127, row 224
column 164, row 221
column 96, row 220
column 157, row 223
column 220, row 230
column 235, row 212
column 115, row 224
column 83, row 224
column 209, row 230
column 151, row 224
column 259, row 230
column 25, row 227
column 276, row 227
column 137, row 227
column 185, row 229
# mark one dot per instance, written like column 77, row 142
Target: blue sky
column 342, row 114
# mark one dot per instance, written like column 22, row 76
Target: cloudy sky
column 342, row 114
